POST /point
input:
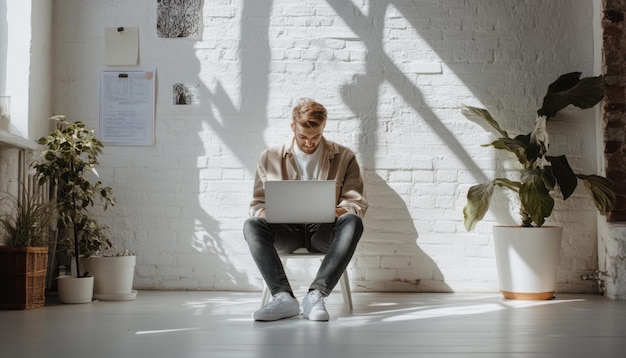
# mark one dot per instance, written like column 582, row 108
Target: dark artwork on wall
column 179, row 18
column 185, row 94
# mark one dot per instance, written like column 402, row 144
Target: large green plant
column 541, row 175
column 69, row 162
column 27, row 223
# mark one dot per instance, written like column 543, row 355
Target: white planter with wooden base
column 75, row 290
column 527, row 259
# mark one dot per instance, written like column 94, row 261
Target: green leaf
column 507, row 183
column 478, row 198
column 568, row 89
column 548, row 177
column 601, row 191
column 564, row 175
column 535, row 197
column 480, row 113
column 514, row 146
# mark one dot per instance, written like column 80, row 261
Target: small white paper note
column 121, row 46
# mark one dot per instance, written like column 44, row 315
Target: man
column 307, row 156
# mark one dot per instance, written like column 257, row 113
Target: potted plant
column 69, row 162
column 113, row 272
column 24, row 256
column 541, row 177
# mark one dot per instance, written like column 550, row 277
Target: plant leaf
column 475, row 112
column 548, row 177
column 535, row 197
column 478, row 198
column 514, row 146
column 564, row 175
column 507, row 183
column 568, row 89
column 540, row 137
column 601, row 190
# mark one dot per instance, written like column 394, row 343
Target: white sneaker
column 313, row 307
column 283, row 305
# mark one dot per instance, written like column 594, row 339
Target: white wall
column 25, row 36
column 16, row 44
column 40, row 70
column 393, row 75
column 25, row 55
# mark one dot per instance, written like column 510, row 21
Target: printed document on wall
column 127, row 106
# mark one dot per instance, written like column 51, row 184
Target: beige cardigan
column 338, row 163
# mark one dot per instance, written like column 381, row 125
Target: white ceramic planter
column 113, row 277
column 527, row 259
column 75, row 290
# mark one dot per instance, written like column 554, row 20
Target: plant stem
column 526, row 219
column 78, row 274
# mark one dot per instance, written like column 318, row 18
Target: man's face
column 307, row 139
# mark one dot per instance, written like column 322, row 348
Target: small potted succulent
column 540, row 178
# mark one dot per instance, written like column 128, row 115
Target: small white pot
column 527, row 259
column 75, row 290
column 113, row 277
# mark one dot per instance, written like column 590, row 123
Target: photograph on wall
column 185, row 93
column 179, row 18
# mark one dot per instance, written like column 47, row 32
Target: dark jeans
column 338, row 240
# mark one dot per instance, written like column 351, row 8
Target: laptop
column 300, row 201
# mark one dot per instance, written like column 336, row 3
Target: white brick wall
column 393, row 76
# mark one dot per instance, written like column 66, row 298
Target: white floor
column 218, row 324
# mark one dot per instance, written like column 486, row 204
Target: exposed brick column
column 614, row 68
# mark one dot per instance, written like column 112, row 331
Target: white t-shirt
column 308, row 164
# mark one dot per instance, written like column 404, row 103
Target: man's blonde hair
column 308, row 113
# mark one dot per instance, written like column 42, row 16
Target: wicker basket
column 23, row 277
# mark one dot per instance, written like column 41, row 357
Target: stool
column 344, row 281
